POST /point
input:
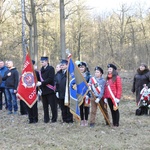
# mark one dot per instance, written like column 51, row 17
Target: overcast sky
column 107, row 5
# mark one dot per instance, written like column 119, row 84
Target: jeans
column 11, row 99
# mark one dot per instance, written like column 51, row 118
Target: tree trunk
column 62, row 30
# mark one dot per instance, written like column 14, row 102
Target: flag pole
column 33, row 70
column 101, row 109
column 89, row 90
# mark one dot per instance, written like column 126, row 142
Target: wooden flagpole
column 101, row 109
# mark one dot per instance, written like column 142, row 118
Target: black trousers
column 65, row 112
column 115, row 114
column 84, row 112
column 23, row 108
column 51, row 100
column 2, row 91
column 33, row 113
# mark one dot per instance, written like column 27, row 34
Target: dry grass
column 133, row 132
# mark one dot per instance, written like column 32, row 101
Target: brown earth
column 132, row 134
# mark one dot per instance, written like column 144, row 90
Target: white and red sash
column 48, row 85
column 112, row 97
column 95, row 86
column 86, row 102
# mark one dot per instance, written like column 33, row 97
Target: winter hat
column 143, row 64
column 112, row 66
column 99, row 68
column 77, row 62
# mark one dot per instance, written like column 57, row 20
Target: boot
column 85, row 123
column 82, row 123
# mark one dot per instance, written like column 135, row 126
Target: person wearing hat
column 46, row 83
column 141, row 79
column 60, row 80
column 85, row 106
column 33, row 112
column 113, row 92
column 97, row 84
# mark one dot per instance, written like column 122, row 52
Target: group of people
column 102, row 92
column 9, row 83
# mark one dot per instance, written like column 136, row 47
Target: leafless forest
column 120, row 36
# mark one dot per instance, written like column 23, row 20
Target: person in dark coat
column 60, row 80
column 33, row 112
column 46, row 83
column 141, row 78
column 3, row 69
column 11, row 78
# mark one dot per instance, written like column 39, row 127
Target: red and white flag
column 27, row 84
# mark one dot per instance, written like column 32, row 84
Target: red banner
column 27, row 84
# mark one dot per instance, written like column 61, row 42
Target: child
column 97, row 84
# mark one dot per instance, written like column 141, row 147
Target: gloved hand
column 90, row 88
column 39, row 92
column 97, row 100
column 86, row 97
column 9, row 74
column 117, row 100
column 57, row 94
column 105, row 100
column 38, row 83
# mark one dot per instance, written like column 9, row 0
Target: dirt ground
column 132, row 134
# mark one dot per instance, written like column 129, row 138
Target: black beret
column 33, row 62
column 44, row 58
column 64, row 61
column 99, row 68
column 112, row 66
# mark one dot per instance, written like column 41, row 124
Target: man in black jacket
column 60, row 79
column 11, row 77
column 46, row 83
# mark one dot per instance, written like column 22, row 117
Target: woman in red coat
column 113, row 91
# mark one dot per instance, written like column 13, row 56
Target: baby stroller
column 144, row 103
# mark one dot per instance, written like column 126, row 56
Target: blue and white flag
column 76, row 89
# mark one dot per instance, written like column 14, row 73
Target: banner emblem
column 73, row 89
column 28, row 80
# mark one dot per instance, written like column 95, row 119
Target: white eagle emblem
column 28, row 80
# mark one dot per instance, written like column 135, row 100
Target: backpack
column 138, row 112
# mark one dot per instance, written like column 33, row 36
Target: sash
column 48, row 85
column 115, row 106
column 86, row 102
column 95, row 86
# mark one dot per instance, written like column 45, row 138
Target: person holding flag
column 85, row 106
column 26, row 91
column 60, row 80
column 113, row 92
column 97, row 84
column 46, row 83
